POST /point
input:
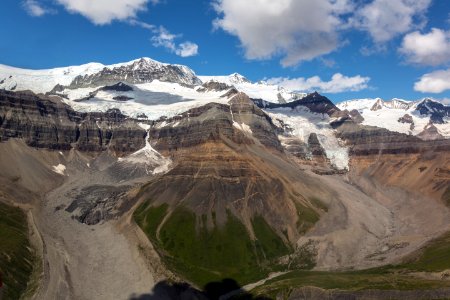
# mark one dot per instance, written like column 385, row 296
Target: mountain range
column 139, row 173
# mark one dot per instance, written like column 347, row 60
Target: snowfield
column 42, row 81
column 155, row 100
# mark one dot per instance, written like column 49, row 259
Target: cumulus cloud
column 432, row 48
column 298, row 30
column 434, row 82
column 386, row 19
column 445, row 101
column 101, row 12
column 163, row 38
column 187, row 49
column 35, row 9
column 339, row 83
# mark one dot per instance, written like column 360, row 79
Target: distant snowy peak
column 394, row 103
column 437, row 111
column 410, row 117
column 143, row 70
column 425, row 106
column 256, row 90
column 376, row 104
column 232, row 79
column 237, row 78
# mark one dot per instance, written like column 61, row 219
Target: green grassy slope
column 16, row 256
column 203, row 255
column 435, row 257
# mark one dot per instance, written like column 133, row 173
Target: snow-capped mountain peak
column 237, row 78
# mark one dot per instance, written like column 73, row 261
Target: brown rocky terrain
column 221, row 159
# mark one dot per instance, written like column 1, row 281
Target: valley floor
column 99, row 261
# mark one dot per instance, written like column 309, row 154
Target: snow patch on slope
column 60, row 169
column 243, row 127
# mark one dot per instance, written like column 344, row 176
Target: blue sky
column 346, row 49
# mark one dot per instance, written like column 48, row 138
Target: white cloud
column 187, row 49
column 434, row 82
column 427, row 49
column 141, row 24
column 386, row 19
column 298, row 30
column 35, row 9
column 339, row 83
column 164, row 38
column 101, row 12
column 445, row 101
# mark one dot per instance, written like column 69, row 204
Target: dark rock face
column 436, row 110
column 96, row 203
column 118, row 87
column 45, row 122
column 122, row 98
column 315, row 102
column 407, row 119
column 315, row 146
column 141, row 71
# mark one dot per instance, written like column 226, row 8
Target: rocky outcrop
column 214, row 86
column 118, row 87
column 429, row 133
column 314, row 146
column 408, row 120
column 356, row 116
column 46, row 122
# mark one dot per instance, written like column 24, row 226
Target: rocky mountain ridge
column 46, row 122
